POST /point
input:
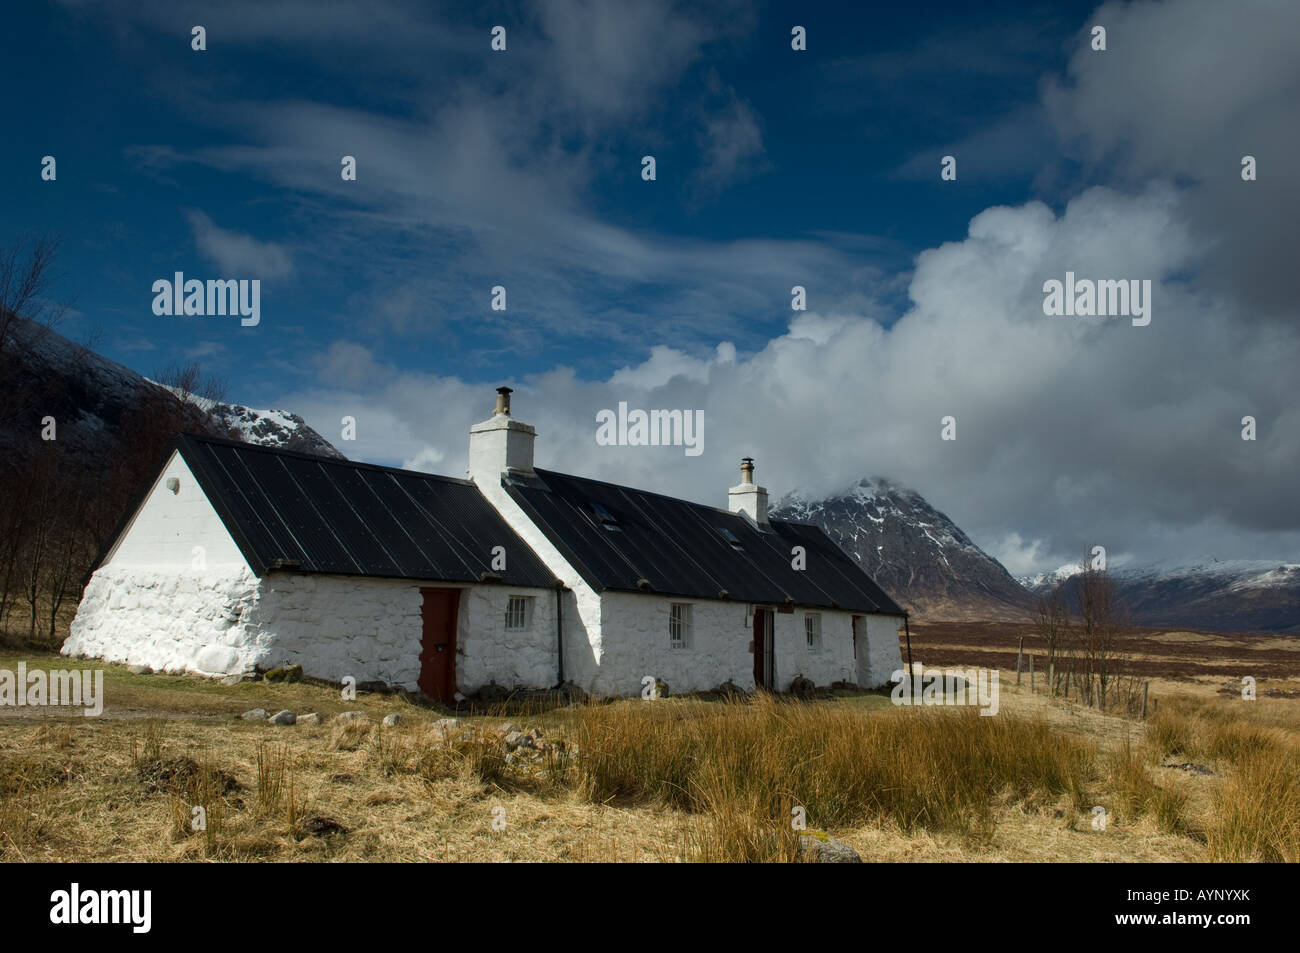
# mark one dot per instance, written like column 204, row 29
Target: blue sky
column 774, row 168
column 152, row 138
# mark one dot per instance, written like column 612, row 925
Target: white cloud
column 236, row 254
column 1071, row 432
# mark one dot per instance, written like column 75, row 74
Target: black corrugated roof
column 680, row 549
column 317, row 514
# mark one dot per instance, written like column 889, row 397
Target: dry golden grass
column 748, row 766
column 669, row 780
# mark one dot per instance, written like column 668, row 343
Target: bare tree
column 1104, row 680
column 28, row 312
column 1054, row 628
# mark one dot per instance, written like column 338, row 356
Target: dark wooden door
column 763, row 672
column 438, row 646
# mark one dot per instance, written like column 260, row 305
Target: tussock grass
column 748, row 766
column 1257, row 811
column 673, row 779
column 1136, row 794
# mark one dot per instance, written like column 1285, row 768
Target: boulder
column 802, row 687
column 446, row 724
column 492, row 694
column 348, row 717
column 284, row 717
column 285, row 673
column 392, row 720
column 818, row 847
column 311, row 718
column 254, row 714
column 730, row 689
column 138, row 669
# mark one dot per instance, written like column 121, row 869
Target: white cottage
column 242, row 557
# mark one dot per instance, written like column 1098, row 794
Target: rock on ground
column 818, row 847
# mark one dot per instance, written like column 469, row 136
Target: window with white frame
column 519, row 613
column 679, row 625
column 812, row 628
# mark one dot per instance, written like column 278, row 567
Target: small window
column 606, row 518
column 732, row 538
column 679, row 626
column 812, row 628
column 519, row 613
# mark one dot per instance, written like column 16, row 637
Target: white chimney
column 748, row 498
column 500, row 444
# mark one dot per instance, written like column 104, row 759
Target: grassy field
column 1207, row 778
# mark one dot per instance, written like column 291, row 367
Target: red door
column 438, row 646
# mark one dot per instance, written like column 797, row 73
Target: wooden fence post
column 1019, row 653
column 1146, row 687
column 1051, row 678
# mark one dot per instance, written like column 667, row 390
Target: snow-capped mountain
column 267, row 428
column 916, row 553
column 1239, row 595
column 95, row 402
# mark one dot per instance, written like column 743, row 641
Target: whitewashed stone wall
column 486, row 652
column 372, row 629
column 172, row 621
column 831, row 662
column 338, row 626
column 333, row 626
column 582, row 609
column 635, row 639
column 882, row 656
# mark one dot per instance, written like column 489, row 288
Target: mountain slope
column 95, row 401
column 916, row 553
column 1225, row 596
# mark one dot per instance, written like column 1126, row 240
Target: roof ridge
column 542, row 471
column 318, row 458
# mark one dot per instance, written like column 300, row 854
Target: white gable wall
column 175, row 530
column 583, row 648
column 174, row 592
column 879, row 655
column 157, row 602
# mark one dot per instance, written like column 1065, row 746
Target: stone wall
column 178, row 621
